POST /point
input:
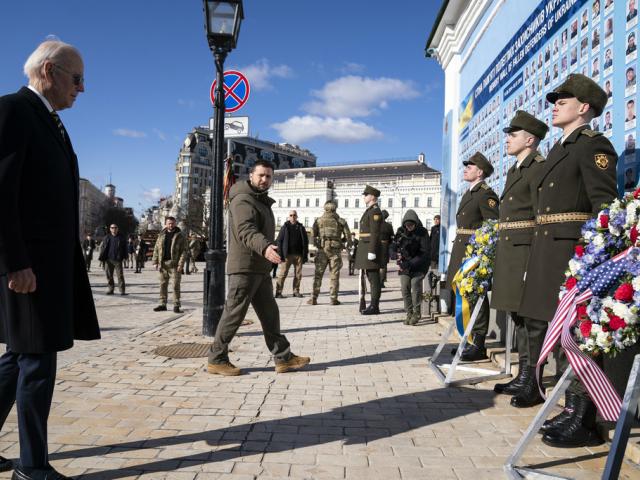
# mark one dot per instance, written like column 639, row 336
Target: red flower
column 604, row 221
column 616, row 322
column 624, row 293
column 580, row 250
column 636, row 194
column 633, row 235
column 585, row 328
column 582, row 310
column 570, row 283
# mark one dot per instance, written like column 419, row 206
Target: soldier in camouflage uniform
column 330, row 232
column 194, row 250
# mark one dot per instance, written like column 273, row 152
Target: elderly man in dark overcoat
column 45, row 297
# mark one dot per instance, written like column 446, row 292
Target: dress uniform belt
column 465, row 231
column 364, row 235
column 516, row 225
column 563, row 217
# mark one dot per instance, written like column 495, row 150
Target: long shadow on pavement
column 325, row 327
column 354, row 425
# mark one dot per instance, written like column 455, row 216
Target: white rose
column 598, row 240
column 621, row 310
column 574, row 266
column 603, row 339
column 635, row 283
column 588, row 235
column 608, row 302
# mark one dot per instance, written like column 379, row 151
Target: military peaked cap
column 584, row 89
column 480, row 161
column 527, row 122
column 369, row 190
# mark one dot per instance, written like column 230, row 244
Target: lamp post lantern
column 222, row 24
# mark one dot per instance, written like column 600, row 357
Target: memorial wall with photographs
column 593, row 37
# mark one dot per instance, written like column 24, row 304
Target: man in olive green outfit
column 386, row 237
column 369, row 253
column 168, row 257
column 252, row 253
column 330, row 233
column 479, row 203
column 517, row 222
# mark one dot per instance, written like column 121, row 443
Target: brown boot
column 294, row 363
column 312, row 301
column 227, row 369
column 335, row 301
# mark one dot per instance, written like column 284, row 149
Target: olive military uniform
column 370, row 227
column 330, row 233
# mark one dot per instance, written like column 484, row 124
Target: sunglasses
column 76, row 77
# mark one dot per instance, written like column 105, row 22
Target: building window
column 357, row 203
column 297, row 202
column 308, row 202
column 317, row 202
column 355, row 224
column 346, row 203
column 288, row 202
column 416, row 202
column 404, row 202
column 429, row 202
column 306, row 221
column 390, row 203
column 279, row 204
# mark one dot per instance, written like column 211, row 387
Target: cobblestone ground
column 367, row 407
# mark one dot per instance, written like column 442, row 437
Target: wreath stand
column 620, row 438
column 447, row 379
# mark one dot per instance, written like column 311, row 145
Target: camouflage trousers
column 333, row 258
column 296, row 261
column 166, row 270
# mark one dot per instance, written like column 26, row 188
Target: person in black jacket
column 435, row 242
column 88, row 246
column 112, row 252
column 412, row 241
column 293, row 248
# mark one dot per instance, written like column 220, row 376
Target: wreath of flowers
column 482, row 246
column 608, row 324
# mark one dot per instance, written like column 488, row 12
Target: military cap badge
column 602, row 161
column 492, row 203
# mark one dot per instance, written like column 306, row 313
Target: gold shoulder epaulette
column 539, row 158
column 485, row 186
column 590, row 133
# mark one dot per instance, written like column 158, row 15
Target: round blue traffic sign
column 236, row 90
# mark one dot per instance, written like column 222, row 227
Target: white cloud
column 261, row 73
column 341, row 130
column 125, row 132
column 160, row 134
column 355, row 96
column 152, row 194
column 352, row 67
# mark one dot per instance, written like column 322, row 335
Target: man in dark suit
column 45, row 296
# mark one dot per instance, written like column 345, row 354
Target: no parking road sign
column 236, row 90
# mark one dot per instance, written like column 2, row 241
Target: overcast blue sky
column 346, row 79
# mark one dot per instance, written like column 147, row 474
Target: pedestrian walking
column 113, row 251
column 194, row 249
column 131, row 251
column 88, row 246
column 293, row 248
column 434, row 238
column 142, row 247
column 252, row 252
column 412, row 242
column 330, row 233
column 45, row 297
column 479, row 203
column 168, row 258
column 516, row 227
column 369, row 255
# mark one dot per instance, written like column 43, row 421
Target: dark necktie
column 56, row 119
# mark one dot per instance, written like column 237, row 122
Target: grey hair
column 49, row 50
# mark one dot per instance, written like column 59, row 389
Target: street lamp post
column 222, row 24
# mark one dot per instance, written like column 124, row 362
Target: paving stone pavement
column 367, row 407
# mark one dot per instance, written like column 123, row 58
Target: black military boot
column 529, row 395
column 475, row 350
column 579, row 430
column 560, row 419
column 515, row 385
column 372, row 309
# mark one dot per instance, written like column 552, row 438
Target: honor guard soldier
column 578, row 177
column 517, row 221
column 479, row 203
column 330, row 233
column 369, row 254
column 386, row 237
